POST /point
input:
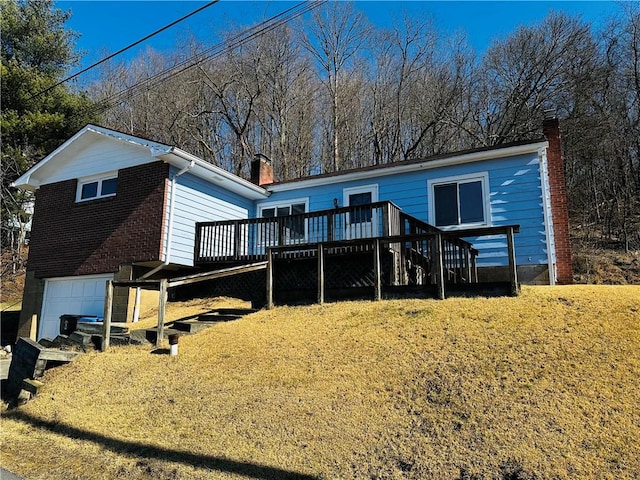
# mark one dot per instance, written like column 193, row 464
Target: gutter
column 167, row 253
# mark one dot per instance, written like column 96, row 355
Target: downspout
column 167, row 253
column 548, row 220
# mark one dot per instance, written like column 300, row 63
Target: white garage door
column 71, row 295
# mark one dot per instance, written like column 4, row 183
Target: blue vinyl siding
column 199, row 201
column 515, row 195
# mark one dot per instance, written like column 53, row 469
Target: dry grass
column 540, row 386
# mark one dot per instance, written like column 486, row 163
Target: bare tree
column 335, row 38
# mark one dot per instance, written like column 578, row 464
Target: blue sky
column 108, row 26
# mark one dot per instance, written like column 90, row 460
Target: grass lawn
column 541, row 386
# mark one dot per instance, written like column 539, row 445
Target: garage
column 71, row 295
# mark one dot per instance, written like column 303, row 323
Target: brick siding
column 559, row 206
column 97, row 236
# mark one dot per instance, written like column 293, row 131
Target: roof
column 44, row 171
column 405, row 166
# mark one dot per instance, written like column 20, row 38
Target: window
column 459, row 201
column 97, row 187
column 361, row 214
column 361, row 221
column 294, row 228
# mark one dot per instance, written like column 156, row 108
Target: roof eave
column 179, row 158
column 395, row 169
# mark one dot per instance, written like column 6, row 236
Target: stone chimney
column 261, row 170
column 558, row 193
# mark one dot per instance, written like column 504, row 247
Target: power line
column 212, row 52
column 123, row 49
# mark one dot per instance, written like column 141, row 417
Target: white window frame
column 280, row 204
column 483, row 177
column 95, row 179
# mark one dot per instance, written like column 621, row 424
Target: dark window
column 109, row 186
column 471, row 202
column 360, row 214
column 458, row 203
column 294, row 226
column 446, row 202
column 89, row 190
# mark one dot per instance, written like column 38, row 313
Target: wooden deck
column 374, row 251
column 415, row 253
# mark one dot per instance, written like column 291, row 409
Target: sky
column 108, row 26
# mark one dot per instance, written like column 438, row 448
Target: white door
column 71, row 295
column 362, row 222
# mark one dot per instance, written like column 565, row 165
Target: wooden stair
column 203, row 321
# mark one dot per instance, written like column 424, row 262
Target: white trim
column 27, row 183
column 282, row 203
column 548, row 216
column 467, row 178
column 93, row 179
column 212, row 173
column 346, row 192
column 394, row 169
column 356, row 230
column 168, row 154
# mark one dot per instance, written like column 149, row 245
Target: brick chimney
column 558, row 193
column 261, row 170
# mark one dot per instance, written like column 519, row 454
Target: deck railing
column 425, row 254
column 247, row 240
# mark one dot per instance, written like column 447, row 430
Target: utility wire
column 123, row 50
column 212, row 52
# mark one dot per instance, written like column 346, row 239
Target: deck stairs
column 200, row 322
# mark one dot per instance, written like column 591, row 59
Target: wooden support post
column 377, row 269
column 269, row 278
column 320, row 273
column 513, row 267
column 467, row 264
column 474, row 266
column 162, row 306
column 236, row 239
column 106, row 323
column 439, row 261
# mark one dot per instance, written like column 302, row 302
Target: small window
column 459, row 202
column 294, row 227
column 97, row 187
column 360, row 215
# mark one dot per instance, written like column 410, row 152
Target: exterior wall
column 94, row 154
column 515, row 198
column 197, row 200
column 97, row 236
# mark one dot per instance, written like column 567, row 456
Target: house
column 112, row 206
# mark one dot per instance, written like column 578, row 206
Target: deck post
column 162, row 306
column 467, row 264
column 513, row 268
column 269, row 278
column 474, row 266
column 106, row 323
column 439, row 261
column 320, row 273
column 377, row 269
column 236, row 239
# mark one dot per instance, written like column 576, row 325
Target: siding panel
column 199, row 201
column 515, row 198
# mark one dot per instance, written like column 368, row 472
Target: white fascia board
column 212, row 173
column 412, row 167
column 26, row 180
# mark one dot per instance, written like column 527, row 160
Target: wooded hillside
column 332, row 92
